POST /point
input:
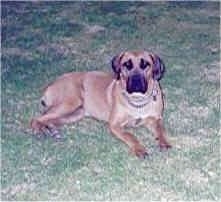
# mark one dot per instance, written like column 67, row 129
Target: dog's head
column 136, row 69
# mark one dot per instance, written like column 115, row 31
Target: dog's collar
column 141, row 101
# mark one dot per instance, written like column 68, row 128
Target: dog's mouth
column 136, row 84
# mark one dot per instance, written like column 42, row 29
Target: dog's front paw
column 140, row 152
column 164, row 145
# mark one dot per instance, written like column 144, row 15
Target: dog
column 131, row 96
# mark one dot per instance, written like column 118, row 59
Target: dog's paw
column 140, row 152
column 164, row 145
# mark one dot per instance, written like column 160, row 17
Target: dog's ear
column 158, row 67
column 116, row 66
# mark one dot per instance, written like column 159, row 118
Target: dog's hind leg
column 72, row 117
column 57, row 116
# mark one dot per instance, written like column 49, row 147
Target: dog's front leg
column 117, row 129
column 157, row 128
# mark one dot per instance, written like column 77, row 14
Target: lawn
column 42, row 40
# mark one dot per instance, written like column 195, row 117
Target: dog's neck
column 138, row 100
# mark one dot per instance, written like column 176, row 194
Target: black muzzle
column 136, row 84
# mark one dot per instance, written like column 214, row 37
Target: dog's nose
column 136, row 83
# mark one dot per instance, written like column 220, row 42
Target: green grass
column 40, row 41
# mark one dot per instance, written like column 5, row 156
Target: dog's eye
column 128, row 65
column 144, row 64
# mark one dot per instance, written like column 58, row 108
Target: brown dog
column 133, row 97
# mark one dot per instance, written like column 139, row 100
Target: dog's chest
column 138, row 115
column 141, row 112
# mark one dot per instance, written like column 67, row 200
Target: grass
column 41, row 40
